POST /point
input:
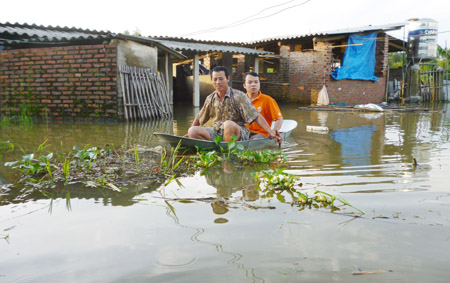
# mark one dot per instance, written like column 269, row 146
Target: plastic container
column 318, row 129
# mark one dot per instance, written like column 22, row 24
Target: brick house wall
column 274, row 84
column 353, row 92
column 277, row 84
column 69, row 82
column 308, row 70
column 302, row 74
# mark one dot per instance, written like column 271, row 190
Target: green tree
column 396, row 59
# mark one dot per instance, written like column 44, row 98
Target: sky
column 226, row 20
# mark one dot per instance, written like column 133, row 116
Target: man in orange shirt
column 266, row 106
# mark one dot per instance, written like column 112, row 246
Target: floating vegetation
column 117, row 170
column 234, row 152
column 6, row 147
column 277, row 182
column 106, row 168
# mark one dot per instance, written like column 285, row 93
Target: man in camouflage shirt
column 229, row 110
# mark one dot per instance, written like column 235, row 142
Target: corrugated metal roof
column 25, row 33
column 369, row 28
column 208, row 47
column 206, row 41
column 32, row 35
column 153, row 42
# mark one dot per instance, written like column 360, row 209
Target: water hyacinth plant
column 275, row 182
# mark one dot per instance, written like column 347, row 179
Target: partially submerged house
column 303, row 64
column 62, row 72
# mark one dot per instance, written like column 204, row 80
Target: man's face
column 252, row 84
column 220, row 81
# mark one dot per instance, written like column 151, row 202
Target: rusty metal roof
column 369, row 28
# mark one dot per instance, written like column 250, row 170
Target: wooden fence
column 145, row 94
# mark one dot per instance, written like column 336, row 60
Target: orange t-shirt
column 268, row 108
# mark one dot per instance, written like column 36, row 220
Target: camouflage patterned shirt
column 235, row 107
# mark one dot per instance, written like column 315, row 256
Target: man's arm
column 272, row 133
column 278, row 123
column 196, row 122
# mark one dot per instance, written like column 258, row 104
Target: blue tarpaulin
column 359, row 59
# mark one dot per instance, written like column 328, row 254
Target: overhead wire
column 249, row 18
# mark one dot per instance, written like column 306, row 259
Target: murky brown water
column 367, row 158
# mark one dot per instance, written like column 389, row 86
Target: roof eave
column 146, row 40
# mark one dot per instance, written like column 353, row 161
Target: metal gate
column 145, row 95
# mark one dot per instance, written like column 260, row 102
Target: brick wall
column 310, row 69
column 274, row 84
column 353, row 92
column 277, row 84
column 70, row 82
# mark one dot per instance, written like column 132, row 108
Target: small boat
column 189, row 143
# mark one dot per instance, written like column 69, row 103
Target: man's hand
column 275, row 135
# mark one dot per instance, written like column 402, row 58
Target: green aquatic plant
column 46, row 160
column 330, row 199
column 87, row 155
column 24, row 118
column 169, row 161
column 34, row 169
column 276, row 182
column 136, row 155
column 6, row 146
column 260, row 156
column 66, row 170
column 275, row 179
column 232, row 147
column 42, row 146
column 6, row 121
column 206, row 159
column 236, row 152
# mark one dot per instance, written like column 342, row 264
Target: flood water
column 367, row 158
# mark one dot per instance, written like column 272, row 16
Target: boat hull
column 193, row 144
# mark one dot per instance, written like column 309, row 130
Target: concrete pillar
column 413, row 80
column 256, row 68
column 196, row 86
column 168, row 77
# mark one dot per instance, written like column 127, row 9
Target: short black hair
column 255, row 74
column 220, row 68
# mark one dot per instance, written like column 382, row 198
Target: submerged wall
column 69, row 82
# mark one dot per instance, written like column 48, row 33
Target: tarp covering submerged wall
column 359, row 58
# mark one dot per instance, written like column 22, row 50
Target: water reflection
column 355, row 143
column 229, row 179
column 368, row 159
column 197, row 237
column 78, row 191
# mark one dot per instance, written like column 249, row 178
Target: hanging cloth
column 359, row 58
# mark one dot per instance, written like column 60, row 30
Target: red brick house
column 70, row 73
column 303, row 64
